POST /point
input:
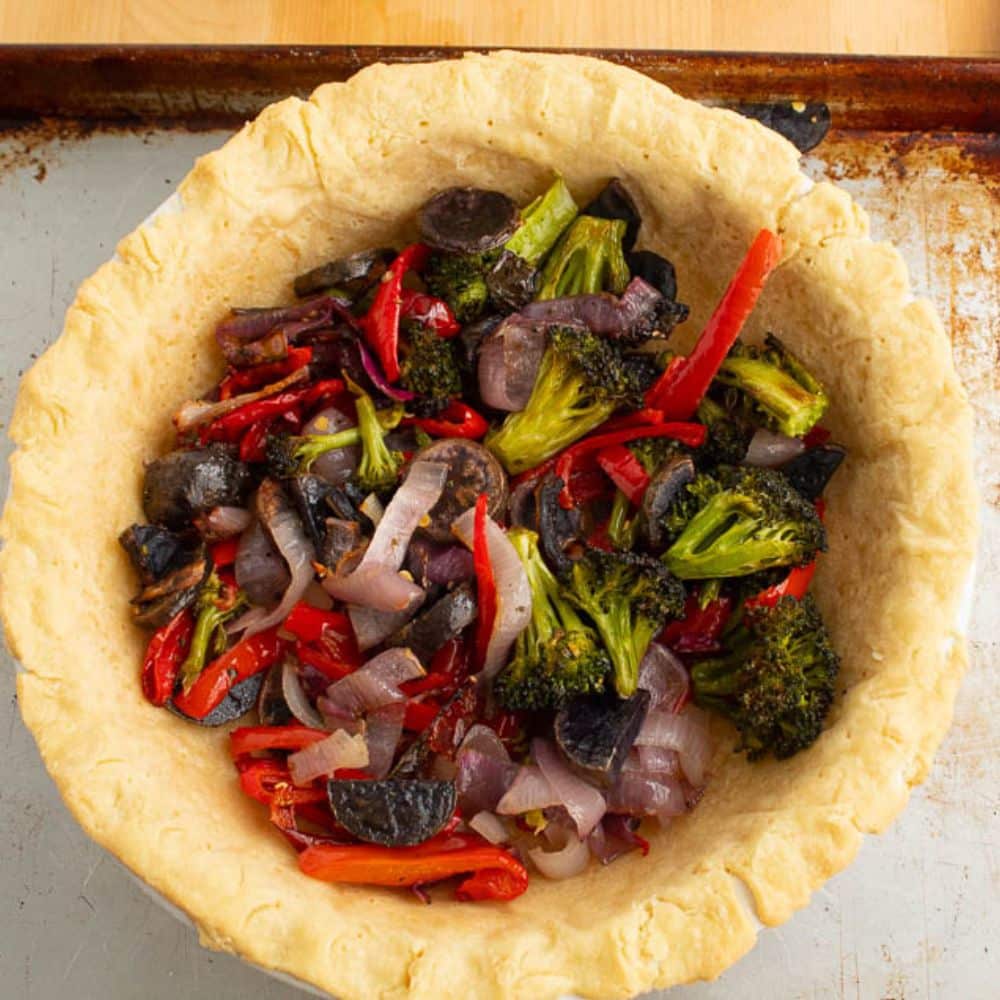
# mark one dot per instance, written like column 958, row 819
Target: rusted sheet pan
column 92, row 140
column 225, row 85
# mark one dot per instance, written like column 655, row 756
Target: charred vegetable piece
column 803, row 125
column 472, row 469
column 728, row 437
column 467, row 220
column 430, row 370
column 185, row 483
column 440, row 623
column 392, row 812
column 309, row 493
column 272, row 708
column 343, row 545
column 236, row 704
column 445, row 732
column 596, row 733
column 156, row 604
column 614, row 202
column 661, row 492
column 557, row 527
column 654, row 269
column 511, row 282
column 353, row 275
column 154, row 551
column 813, row 469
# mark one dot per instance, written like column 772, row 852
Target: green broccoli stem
column 543, row 222
column 208, row 635
column 310, row 446
column 588, row 258
column 545, row 590
column 621, row 530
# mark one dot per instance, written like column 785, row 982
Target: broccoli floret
column 581, row 381
column 738, row 521
column 653, row 452
column 429, row 368
column 543, row 222
column 622, row 529
column 588, row 258
column 557, row 656
column 460, row 279
column 728, row 438
column 293, row 454
column 629, row 597
column 216, row 604
column 776, row 683
column 379, row 465
column 778, row 390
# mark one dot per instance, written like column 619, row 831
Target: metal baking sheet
column 92, row 140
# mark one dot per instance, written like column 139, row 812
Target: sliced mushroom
column 272, row 708
column 157, row 603
column 236, row 704
column 392, row 812
column 185, row 483
column 512, row 282
column 557, row 527
column 596, row 732
column 354, row 274
column 472, row 469
column 154, row 551
column 660, row 493
column 343, row 546
column 655, row 270
column 468, row 220
column 440, row 623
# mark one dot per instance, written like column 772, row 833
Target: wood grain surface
column 912, row 27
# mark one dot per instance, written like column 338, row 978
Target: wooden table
column 913, row 27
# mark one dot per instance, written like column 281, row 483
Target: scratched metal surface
column 914, row 917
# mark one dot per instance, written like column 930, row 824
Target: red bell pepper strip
column 820, row 504
column 817, row 436
column 331, row 630
column 241, row 379
column 699, row 630
column 253, row 442
column 486, row 588
column 687, row 433
column 165, row 653
column 435, row 314
column 492, row 883
column 679, row 390
column 638, row 418
column 261, row 778
column 419, row 715
column 247, row 658
column 380, row 325
column 624, row 470
column 334, row 669
column 224, row 553
column 794, row 585
column 429, row 682
column 366, row 864
column 658, row 390
column 457, row 419
column 251, row 739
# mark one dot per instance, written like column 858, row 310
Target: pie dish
column 310, row 180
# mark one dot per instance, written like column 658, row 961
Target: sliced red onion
column 373, row 685
column 489, row 826
column 382, row 733
column 295, row 697
column 282, row 521
column 336, row 466
column 320, row 760
column 482, row 780
column 570, row 860
column 639, row 794
column 583, row 802
column 529, row 790
column 372, row 508
column 513, row 590
column 376, row 583
column 375, row 373
column 636, row 309
column 770, row 449
column 508, row 364
column 224, row 522
column 195, row 412
column 252, row 324
column 485, row 740
column 377, row 587
column 664, row 677
column 687, row 733
column 614, row 836
column 659, row 761
column 433, row 562
column 260, row 571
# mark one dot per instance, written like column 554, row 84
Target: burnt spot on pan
column 802, row 123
